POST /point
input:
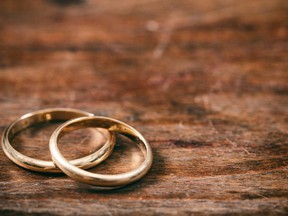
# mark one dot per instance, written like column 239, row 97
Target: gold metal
column 47, row 115
column 101, row 180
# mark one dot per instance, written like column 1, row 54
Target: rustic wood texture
column 206, row 82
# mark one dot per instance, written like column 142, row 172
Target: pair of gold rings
column 77, row 119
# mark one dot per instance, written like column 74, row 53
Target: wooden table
column 206, row 82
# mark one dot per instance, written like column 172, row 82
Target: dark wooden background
column 205, row 82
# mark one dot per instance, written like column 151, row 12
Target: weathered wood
column 204, row 81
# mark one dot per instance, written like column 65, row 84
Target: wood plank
column 206, row 83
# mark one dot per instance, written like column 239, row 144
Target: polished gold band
column 46, row 115
column 101, row 180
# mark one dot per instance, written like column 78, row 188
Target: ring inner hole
column 125, row 157
column 34, row 141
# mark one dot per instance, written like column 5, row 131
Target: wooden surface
column 205, row 82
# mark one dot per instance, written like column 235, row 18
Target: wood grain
column 206, row 83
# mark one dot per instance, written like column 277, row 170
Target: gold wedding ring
column 102, row 180
column 47, row 115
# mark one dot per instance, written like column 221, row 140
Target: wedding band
column 47, row 115
column 102, row 180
